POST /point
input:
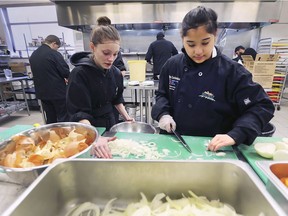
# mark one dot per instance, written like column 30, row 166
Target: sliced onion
column 280, row 155
column 265, row 150
column 86, row 208
column 281, row 145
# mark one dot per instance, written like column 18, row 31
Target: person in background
column 95, row 84
column 50, row 74
column 204, row 93
column 160, row 51
column 250, row 51
column 239, row 50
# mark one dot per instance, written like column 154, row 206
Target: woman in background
column 205, row 93
column 95, row 85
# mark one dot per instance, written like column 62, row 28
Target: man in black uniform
column 50, row 74
column 239, row 50
column 160, row 50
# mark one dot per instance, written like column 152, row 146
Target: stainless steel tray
column 274, row 171
column 65, row 184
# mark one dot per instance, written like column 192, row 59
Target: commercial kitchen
column 151, row 173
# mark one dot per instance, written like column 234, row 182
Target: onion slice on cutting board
column 266, row 150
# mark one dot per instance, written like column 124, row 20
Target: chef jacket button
column 190, row 106
column 185, row 69
column 200, row 74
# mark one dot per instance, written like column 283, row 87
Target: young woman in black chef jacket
column 95, row 85
column 204, row 93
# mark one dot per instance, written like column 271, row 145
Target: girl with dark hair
column 204, row 93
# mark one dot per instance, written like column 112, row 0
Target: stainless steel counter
column 148, row 92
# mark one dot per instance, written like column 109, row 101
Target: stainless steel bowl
column 135, row 127
column 25, row 176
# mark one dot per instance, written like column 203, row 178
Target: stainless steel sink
column 63, row 185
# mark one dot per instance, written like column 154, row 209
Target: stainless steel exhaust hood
column 132, row 15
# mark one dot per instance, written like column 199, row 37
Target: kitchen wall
column 139, row 41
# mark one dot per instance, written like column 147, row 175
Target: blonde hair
column 100, row 34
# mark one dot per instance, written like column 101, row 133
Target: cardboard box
column 262, row 69
column 18, row 66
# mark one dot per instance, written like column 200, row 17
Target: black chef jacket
column 160, row 50
column 214, row 97
column 49, row 70
column 92, row 92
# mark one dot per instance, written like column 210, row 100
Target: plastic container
column 137, row 70
column 268, row 130
column 8, row 73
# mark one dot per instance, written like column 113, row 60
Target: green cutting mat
column 13, row 130
column 252, row 157
column 177, row 151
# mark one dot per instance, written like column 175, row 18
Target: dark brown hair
column 102, row 33
column 200, row 16
column 51, row 39
column 103, row 20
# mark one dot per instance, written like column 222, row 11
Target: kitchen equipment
column 137, row 70
column 72, row 182
column 274, row 171
column 136, row 127
column 186, row 146
column 8, row 73
column 131, row 110
column 26, row 175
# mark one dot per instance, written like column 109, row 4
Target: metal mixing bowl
column 26, row 175
column 135, row 127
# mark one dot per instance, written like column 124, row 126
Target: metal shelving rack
column 4, row 58
column 267, row 45
column 9, row 107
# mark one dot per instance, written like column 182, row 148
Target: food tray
column 274, row 171
column 66, row 184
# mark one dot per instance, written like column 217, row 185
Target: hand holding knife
column 182, row 141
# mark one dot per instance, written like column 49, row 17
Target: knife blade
column 182, row 141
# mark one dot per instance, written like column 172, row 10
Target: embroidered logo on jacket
column 247, row 101
column 173, row 82
column 207, row 95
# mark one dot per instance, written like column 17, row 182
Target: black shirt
column 92, row 91
column 215, row 97
column 49, row 70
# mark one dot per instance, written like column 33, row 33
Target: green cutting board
column 20, row 128
column 13, row 130
column 177, row 151
column 252, row 157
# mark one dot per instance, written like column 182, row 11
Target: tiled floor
column 280, row 119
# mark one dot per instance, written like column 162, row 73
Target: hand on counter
column 220, row 140
column 101, row 149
